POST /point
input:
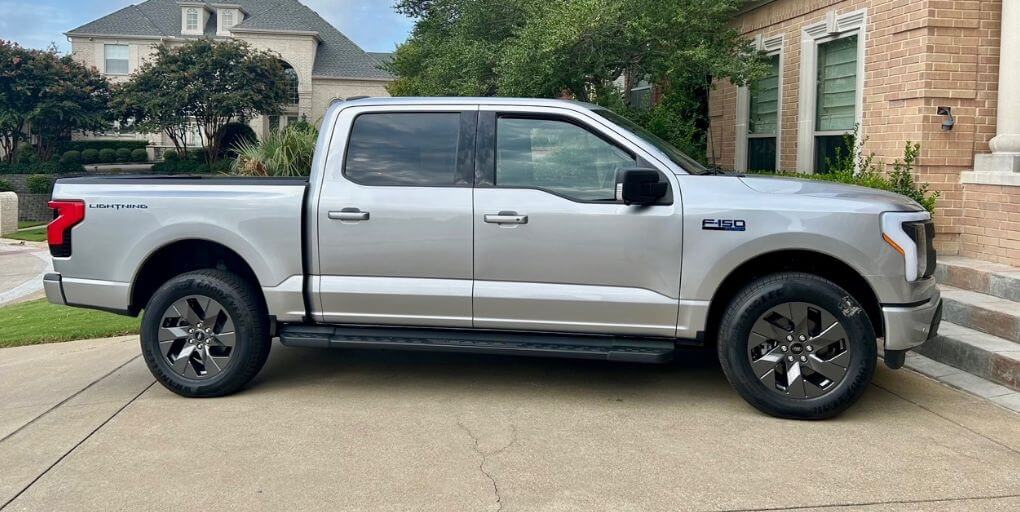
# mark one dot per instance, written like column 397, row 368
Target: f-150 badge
column 724, row 225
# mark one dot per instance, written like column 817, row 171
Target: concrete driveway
column 22, row 267
column 82, row 427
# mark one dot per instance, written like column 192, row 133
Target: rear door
column 395, row 218
column 554, row 248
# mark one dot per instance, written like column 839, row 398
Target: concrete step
column 985, row 313
column 977, row 353
column 979, row 276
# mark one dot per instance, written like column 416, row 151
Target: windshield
column 678, row 157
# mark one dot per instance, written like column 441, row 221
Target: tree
column 548, row 48
column 211, row 82
column 53, row 96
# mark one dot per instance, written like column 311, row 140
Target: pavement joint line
column 958, row 424
column 75, row 447
column 875, row 503
column 68, row 399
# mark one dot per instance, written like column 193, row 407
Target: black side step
column 607, row 348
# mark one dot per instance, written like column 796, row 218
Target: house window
column 191, row 20
column 117, row 56
column 292, row 85
column 640, row 96
column 228, row 19
column 763, row 119
column 836, row 100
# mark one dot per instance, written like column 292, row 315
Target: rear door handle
column 506, row 218
column 350, row 215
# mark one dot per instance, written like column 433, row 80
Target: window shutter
column 764, row 104
column 837, row 85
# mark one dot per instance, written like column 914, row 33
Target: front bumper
column 908, row 327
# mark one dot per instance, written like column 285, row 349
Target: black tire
column 756, row 300
column 241, row 301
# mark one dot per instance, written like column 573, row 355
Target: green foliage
column 139, row 155
column 39, row 321
column 171, row 155
column 854, row 167
column 39, row 184
column 52, row 95
column 578, row 48
column 286, row 152
column 107, row 156
column 71, row 158
column 51, row 167
column 83, row 145
column 212, row 82
column 5, row 186
column 123, row 155
column 231, row 135
column 90, row 156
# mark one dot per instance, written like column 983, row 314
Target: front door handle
column 506, row 218
column 349, row 215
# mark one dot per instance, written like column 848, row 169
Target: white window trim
column 833, row 27
column 772, row 46
column 187, row 19
column 106, row 59
column 222, row 29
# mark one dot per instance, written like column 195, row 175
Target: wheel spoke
column 795, row 381
column 799, row 315
column 186, row 312
column 827, row 369
column 225, row 339
column 211, row 313
column 767, row 363
column 181, row 361
column 192, row 351
column 212, row 367
column 171, row 334
column 829, row 335
column 769, row 326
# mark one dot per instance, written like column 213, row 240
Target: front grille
column 923, row 234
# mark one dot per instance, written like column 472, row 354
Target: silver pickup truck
column 505, row 226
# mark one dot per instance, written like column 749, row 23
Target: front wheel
column 797, row 346
column 205, row 334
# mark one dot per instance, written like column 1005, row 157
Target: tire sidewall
column 767, row 293
column 235, row 304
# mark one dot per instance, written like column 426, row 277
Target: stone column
column 1002, row 166
column 8, row 213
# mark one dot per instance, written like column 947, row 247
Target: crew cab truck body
column 533, row 227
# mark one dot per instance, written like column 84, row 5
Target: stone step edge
column 976, row 353
column 996, row 280
column 985, row 313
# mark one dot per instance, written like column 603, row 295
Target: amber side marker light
column 894, row 245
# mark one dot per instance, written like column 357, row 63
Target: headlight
column 911, row 234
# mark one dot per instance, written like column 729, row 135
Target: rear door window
column 404, row 149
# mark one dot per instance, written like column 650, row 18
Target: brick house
column 323, row 63
column 889, row 66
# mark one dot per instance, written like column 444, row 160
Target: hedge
column 90, row 156
column 82, row 145
column 5, row 186
column 71, row 157
column 39, row 184
column 107, row 156
column 139, row 155
column 52, row 167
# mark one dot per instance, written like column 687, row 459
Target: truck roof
column 458, row 100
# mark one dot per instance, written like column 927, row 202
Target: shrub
column 171, row 155
column 83, row 145
column 854, row 168
column 90, row 156
column 285, row 152
column 25, row 154
column 5, row 186
column 71, row 158
column 232, row 135
column 107, row 155
column 139, row 155
column 123, row 155
column 39, row 184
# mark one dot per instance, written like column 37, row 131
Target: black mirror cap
column 643, row 187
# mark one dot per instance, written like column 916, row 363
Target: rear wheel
column 797, row 346
column 205, row 334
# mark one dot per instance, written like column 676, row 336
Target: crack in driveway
column 486, row 455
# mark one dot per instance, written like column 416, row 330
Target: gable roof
column 337, row 56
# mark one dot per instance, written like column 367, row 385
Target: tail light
column 66, row 215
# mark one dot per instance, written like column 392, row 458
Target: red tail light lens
column 66, row 215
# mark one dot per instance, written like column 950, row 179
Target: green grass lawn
column 36, row 322
column 30, row 235
column 25, row 224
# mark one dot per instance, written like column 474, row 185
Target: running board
column 606, row 348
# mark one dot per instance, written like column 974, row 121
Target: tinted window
column 411, row 150
column 559, row 157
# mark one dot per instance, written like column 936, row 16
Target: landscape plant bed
column 38, row 322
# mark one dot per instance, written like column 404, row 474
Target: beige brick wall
column 919, row 55
column 324, row 91
column 990, row 223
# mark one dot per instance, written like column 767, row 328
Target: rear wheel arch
column 181, row 257
column 806, row 261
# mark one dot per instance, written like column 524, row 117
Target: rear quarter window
column 404, row 149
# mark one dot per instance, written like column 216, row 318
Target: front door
column 554, row 248
column 395, row 219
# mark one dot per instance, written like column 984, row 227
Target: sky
column 35, row 24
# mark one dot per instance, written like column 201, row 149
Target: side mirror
column 643, row 187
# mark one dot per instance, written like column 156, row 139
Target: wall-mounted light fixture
column 950, row 122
